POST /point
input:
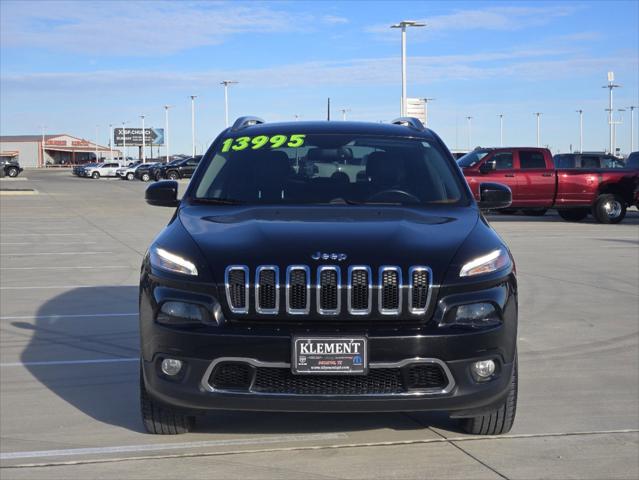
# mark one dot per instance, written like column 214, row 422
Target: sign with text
column 416, row 107
column 133, row 136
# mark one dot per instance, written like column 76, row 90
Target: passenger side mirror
column 487, row 167
column 162, row 194
column 493, row 196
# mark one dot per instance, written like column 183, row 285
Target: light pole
column 426, row 100
column 538, row 114
column 611, row 85
column 501, row 129
column 581, row 130
column 111, row 140
column 403, row 24
column 166, row 129
column 614, row 129
column 143, row 140
column 226, row 84
column 124, row 143
column 344, row 112
column 470, row 124
column 42, row 127
column 193, row 97
column 632, row 128
column 96, row 142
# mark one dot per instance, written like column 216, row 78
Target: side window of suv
column 503, row 161
column 528, row 160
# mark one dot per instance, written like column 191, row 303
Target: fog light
column 484, row 368
column 171, row 366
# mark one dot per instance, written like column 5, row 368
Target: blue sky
column 74, row 65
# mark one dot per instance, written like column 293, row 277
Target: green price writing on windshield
column 261, row 141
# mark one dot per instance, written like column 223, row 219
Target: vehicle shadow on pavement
column 632, row 218
column 108, row 391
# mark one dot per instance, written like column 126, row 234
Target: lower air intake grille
column 425, row 376
column 280, row 380
column 231, row 376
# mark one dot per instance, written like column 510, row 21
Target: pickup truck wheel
column 12, row 172
column 95, row 175
column 146, row 177
column 540, row 212
column 609, row 208
column 130, row 176
column 499, row 420
column 573, row 214
column 160, row 419
column 172, row 175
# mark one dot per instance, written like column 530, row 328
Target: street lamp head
column 229, row 82
column 408, row 23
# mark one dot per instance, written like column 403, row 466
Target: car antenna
column 328, row 110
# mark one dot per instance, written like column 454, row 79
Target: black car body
column 143, row 171
column 179, row 169
column 278, row 288
column 158, row 171
column 11, row 168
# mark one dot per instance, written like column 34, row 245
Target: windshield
column 322, row 169
column 471, row 159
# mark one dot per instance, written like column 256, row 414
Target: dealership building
column 58, row 150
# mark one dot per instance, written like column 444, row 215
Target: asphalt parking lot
column 69, row 264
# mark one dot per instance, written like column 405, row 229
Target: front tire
column 573, row 214
column 12, row 172
column 146, row 177
column 95, row 175
column 609, row 208
column 501, row 419
column 172, row 175
column 160, row 419
column 130, row 176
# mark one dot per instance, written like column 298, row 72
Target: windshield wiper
column 220, row 201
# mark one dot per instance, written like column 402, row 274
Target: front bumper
column 201, row 349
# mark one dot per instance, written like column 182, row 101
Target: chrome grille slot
column 267, row 289
column 328, row 290
column 360, row 288
column 236, row 280
column 420, row 280
column 298, row 290
column 390, row 290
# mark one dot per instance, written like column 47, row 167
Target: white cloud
column 136, row 28
column 334, row 19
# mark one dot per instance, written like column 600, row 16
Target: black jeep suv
column 328, row 266
column 10, row 168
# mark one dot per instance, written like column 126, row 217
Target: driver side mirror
column 493, row 196
column 487, row 167
column 162, row 194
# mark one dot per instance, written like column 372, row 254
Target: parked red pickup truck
column 537, row 185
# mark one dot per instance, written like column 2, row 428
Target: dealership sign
column 133, row 136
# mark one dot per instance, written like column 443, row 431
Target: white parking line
column 69, row 362
column 174, row 446
column 59, row 287
column 89, row 267
column 51, row 253
column 48, row 243
column 40, row 234
column 74, row 315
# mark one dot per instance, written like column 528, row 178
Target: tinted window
column 564, row 161
column 529, row 160
column 503, row 161
column 589, row 161
column 612, row 162
column 472, row 158
column 379, row 170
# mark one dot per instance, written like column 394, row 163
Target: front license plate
column 330, row 355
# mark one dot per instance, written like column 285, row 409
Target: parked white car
column 127, row 173
column 107, row 169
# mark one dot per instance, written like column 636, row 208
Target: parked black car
column 632, row 161
column 143, row 172
column 158, row 171
column 181, row 169
column 275, row 287
column 10, row 167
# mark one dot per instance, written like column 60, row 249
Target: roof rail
column 411, row 122
column 244, row 122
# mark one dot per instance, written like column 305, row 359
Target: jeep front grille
column 325, row 288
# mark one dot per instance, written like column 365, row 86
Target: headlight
column 160, row 258
column 476, row 315
column 495, row 260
